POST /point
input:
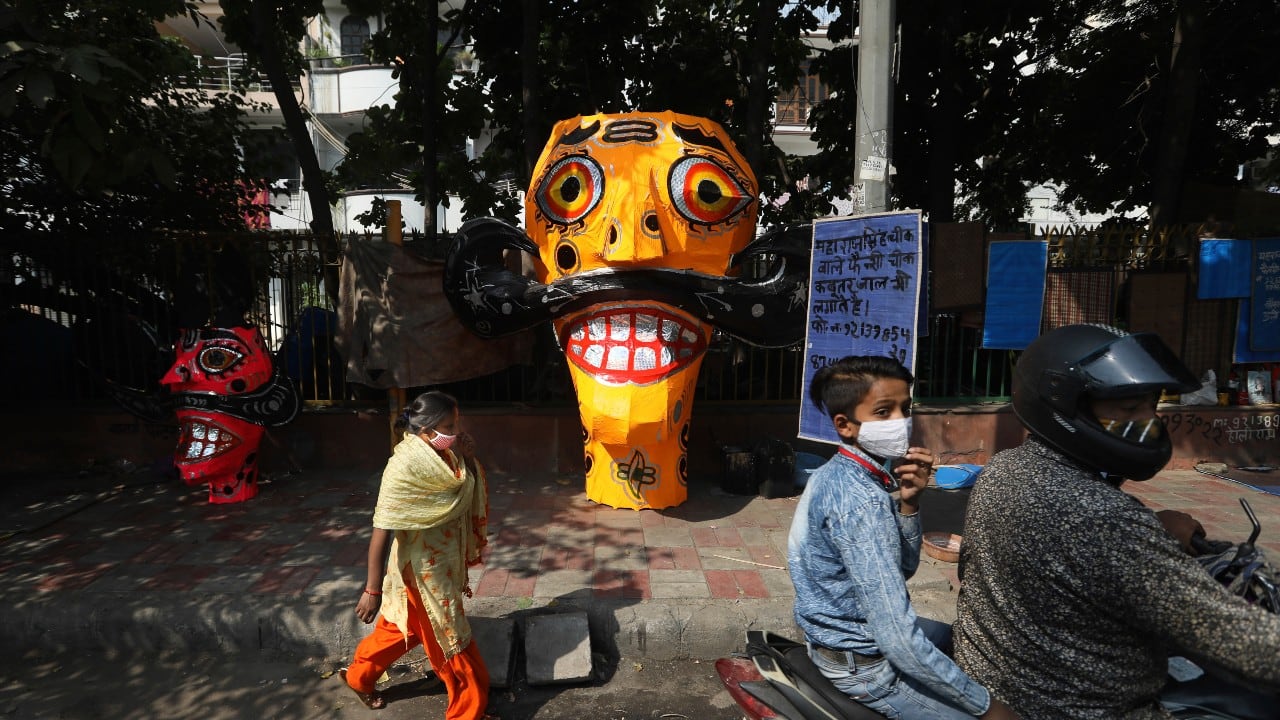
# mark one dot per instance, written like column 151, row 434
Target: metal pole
column 873, row 154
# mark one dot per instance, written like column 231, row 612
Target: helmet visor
column 1146, row 431
column 1134, row 363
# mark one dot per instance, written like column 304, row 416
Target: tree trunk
column 265, row 34
column 945, row 116
column 759, row 99
column 530, row 98
column 1179, row 110
column 427, row 87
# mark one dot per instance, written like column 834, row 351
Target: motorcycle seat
column 786, row 665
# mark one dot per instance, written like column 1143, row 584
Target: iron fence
column 92, row 309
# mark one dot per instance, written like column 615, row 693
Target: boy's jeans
column 880, row 687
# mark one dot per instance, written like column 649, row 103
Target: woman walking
column 428, row 526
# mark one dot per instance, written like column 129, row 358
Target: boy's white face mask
column 888, row 439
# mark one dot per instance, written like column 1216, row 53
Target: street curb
column 326, row 627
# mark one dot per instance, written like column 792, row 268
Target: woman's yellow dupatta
column 439, row 521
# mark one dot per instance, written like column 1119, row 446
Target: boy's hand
column 999, row 710
column 913, row 475
column 1182, row 527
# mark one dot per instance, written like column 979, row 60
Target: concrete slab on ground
column 496, row 638
column 557, row 648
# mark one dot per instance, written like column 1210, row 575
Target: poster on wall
column 1264, row 318
column 1224, row 268
column 864, row 298
column 1015, row 293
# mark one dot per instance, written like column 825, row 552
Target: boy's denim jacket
column 850, row 553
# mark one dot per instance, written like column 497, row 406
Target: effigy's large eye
column 215, row 359
column 704, row 192
column 570, row 189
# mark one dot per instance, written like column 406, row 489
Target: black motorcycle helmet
column 1063, row 369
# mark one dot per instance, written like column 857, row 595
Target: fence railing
column 1128, row 246
column 94, row 308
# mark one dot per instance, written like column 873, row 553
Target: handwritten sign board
column 864, row 297
column 1264, row 321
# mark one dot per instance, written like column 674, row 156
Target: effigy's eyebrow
column 630, row 130
column 695, row 136
column 580, row 135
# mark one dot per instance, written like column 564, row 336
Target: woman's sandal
column 372, row 700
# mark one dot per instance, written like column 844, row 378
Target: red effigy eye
column 216, row 359
column 570, row 189
column 704, row 192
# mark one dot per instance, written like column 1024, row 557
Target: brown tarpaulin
column 957, row 266
column 1157, row 303
column 396, row 329
column 1078, row 296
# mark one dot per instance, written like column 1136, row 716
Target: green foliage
column 98, row 131
column 96, row 128
column 690, row 57
column 995, row 97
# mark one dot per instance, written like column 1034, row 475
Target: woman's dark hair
column 842, row 386
column 426, row 411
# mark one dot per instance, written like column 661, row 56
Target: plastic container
column 955, row 477
column 775, row 463
column 942, row 546
column 806, row 464
column 738, row 471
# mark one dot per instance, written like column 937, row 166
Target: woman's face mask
column 440, row 441
column 888, row 439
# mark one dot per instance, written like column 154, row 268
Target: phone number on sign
column 1233, row 430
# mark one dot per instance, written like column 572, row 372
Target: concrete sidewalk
column 133, row 562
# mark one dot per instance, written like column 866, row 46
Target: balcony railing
column 226, row 74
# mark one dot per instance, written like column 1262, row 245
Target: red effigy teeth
column 632, row 344
column 202, row 439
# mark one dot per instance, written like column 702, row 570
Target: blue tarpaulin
column 1224, row 268
column 1015, row 293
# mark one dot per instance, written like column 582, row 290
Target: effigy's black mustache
column 274, row 404
column 494, row 301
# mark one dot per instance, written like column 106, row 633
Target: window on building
column 794, row 104
column 355, row 33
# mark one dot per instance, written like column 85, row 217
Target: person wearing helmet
column 1073, row 594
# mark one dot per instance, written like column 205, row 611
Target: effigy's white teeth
column 646, row 327
column 595, row 355
column 645, row 359
column 620, row 328
column 619, row 357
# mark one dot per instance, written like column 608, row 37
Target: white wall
column 346, row 90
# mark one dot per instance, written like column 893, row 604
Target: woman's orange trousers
column 465, row 677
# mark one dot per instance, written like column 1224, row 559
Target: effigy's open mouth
column 632, row 344
column 202, row 439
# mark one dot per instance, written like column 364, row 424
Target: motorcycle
column 774, row 679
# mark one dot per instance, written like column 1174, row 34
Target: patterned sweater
column 1074, row 596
